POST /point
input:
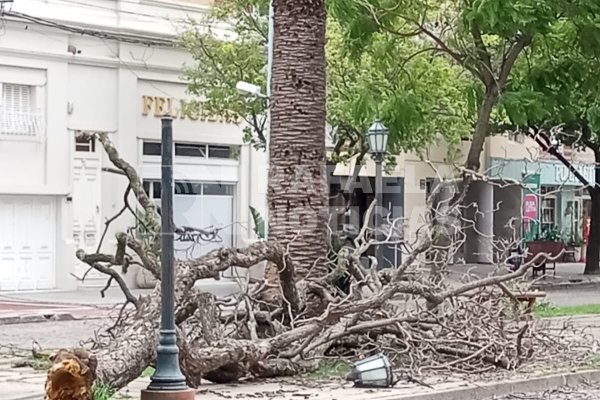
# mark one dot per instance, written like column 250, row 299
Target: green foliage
column 221, row 59
column 557, row 83
column 551, row 235
column 148, row 230
column 103, row 391
column 329, row 370
column 593, row 361
column 548, row 310
column 148, row 372
column 259, row 223
column 418, row 97
column 482, row 38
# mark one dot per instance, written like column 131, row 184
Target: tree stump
column 71, row 375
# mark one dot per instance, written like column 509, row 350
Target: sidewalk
column 568, row 275
column 82, row 303
column 27, row 384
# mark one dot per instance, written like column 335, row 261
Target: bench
column 553, row 251
column 524, row 297
column 529, row 298
column 569, row 256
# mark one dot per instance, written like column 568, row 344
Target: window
column 190, row 150
column 219, row 152
column 197, row 150
column 427, row 185
column 188, row 188
column 217, row 189
column 516, row 136
column 152, row 189
column 548, row 207
column 85, row 144
column 18, row 116
column 17, row 98
column 152, row 149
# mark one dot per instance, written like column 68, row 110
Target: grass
column 548, row 310
column 148, row 372
column 103, row 392
column 330, row 369
column 593, row 361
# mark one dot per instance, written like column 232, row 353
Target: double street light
column 377, row 136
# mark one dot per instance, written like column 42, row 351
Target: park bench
column 552, row 251
column 529, row 298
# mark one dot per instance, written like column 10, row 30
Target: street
column 49, row 335
column 583, row 392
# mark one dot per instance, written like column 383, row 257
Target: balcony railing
column 21, row 126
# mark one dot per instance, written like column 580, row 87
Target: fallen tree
column 424, row 322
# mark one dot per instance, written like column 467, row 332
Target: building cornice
column 139, row 67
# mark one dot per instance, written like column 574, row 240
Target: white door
column 27, row 242
column 86, row 209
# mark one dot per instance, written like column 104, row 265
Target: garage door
column 27, row 237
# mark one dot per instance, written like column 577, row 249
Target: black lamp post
column 378, row 135
column 167, row 383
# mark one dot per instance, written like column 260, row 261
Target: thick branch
column 95, row 260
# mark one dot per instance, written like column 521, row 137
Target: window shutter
column 16, row 98
column 18, row 119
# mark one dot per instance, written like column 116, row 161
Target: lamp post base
column 187, row 394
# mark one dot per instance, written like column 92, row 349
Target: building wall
column 100, row 87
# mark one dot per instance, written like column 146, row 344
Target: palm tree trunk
column 297, row 191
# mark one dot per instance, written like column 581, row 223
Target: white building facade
column 116, row 78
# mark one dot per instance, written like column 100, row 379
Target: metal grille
column 18, row 118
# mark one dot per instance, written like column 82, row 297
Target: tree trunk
column 125, row 358
column 592, row 256
column 481, row 128
column 297, row 192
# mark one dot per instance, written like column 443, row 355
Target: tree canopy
column 417, row 95
column 557, row 86
column 557, row 83
column 485, row 38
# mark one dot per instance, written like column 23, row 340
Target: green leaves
column 509, row 18
column 417, row 95
column 220, row 61
column 259, row 224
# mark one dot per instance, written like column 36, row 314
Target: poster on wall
column 531, row 207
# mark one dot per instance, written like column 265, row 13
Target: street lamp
column 249, row 89
column 378, row 136
column 167, row 383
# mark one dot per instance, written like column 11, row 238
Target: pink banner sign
column 530, row 209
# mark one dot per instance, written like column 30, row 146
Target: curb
column 566, row 286
column 36, row 318
column 35, row 396
column 489, row 390
column 486, row 391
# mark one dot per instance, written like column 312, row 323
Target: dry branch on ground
column 424, row 320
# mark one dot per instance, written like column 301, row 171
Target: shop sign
column 531, row 207
column 564, row 176
column 183, row 109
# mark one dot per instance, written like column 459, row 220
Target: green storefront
column 553, row 198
